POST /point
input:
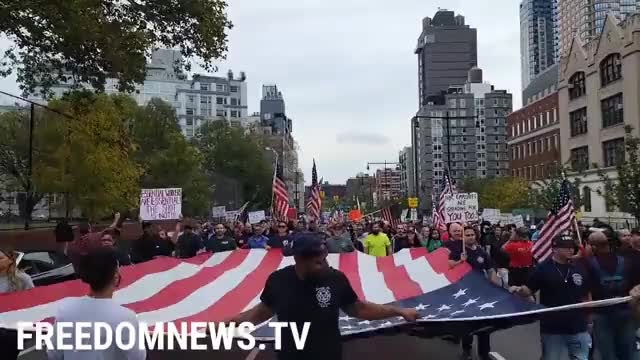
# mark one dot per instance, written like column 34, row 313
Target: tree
column 167, row 158
column 232, row 153
column 91, row 161
column 624, row 191
column 544, row 193
column 504, row 193
column 90, row 41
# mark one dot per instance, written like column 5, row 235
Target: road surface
column 521, row 343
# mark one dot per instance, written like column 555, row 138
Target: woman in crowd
column 433, row 241
column 11, row 280
column 413, row 238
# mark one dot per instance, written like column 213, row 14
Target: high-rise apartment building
column 465, row 132
column 407, row 177
column 388, row 185
column 585, row 18
column 447, row 49
column 538, row 43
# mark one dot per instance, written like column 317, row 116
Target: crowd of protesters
column 588, row 264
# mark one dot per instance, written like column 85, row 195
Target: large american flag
column 280, row 196
column 387, row 215
column 560, row 218
column 215, row 287
column 315, row 202
column 446, row 190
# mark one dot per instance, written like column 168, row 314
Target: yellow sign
column 322, row 194
column 413, row 203
column 579, row 215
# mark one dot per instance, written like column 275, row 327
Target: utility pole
column 28, row 200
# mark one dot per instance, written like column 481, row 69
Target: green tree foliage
column 504, row 193
column 623, row 192
column 167, row 158
column 230, row 152
column 544, row 193
column 89, row 41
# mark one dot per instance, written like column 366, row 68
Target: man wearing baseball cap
column 311, row 291
column 561, row 282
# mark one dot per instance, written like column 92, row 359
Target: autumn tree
column 231, row 153
column 88, row 42
column 504, row 193
column 92, row 162
column 167, row 158
column 623, row 191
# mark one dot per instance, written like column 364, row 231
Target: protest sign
column 160, row 204
column 231, row 215
column 461, row 207
column 218, row 211
column 517, row 220
column 256, row 216
column 413, row 202
column 403, row 216
column 491, row 215
column 414, row 214
column 355, row 215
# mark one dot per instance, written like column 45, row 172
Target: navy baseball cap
column 563, row 241
column 308, row 244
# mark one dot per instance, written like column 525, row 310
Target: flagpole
column 273, row 181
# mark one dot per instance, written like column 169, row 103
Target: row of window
column 208, row 112
column 534, row 172
column 218, row 87
column 612, row 153
column 221, row 100
column 612, row 114
column 610, row 71
column 534, row 122
column 534, row 147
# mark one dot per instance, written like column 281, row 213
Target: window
column 234, row 89
column 547, row 144
column 580, row 158
column 576, row 85
column 220, row 100
column 189, row 121
column 610, row 69
column 548, row 117
column 612, row 111
column 613, row 152
column 220, row 112
column 452, row 103
column 578, row 121
column 463, row 104
column 204, row 87
column 189, row 111
column 235, row 101
column 234, row 114
column 529, row 124
column 221, row 87
column 586, row 198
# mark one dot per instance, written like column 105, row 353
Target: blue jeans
column 614, row 336
column 554, row 347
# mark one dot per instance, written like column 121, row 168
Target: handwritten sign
column 218, row 211
column 403, row 216
column 414, row 214
column 491, row 215
column 256, row 216
column 161, row 204
column 461, row 207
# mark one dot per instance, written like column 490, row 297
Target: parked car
column 46, row 267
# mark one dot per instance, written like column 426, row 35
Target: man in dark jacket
column 144, row 249
column 189, row 243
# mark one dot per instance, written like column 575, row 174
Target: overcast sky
column 347, row 69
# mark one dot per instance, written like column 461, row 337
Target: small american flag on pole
column 447, row 189
column 315, row 202
column 388, row 216
column 560, row 218
column 281, row 196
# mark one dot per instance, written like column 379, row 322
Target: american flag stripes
column 387, row 215
column 315, row 202
column 281, row 196
column 560, row 218
column 446, row 190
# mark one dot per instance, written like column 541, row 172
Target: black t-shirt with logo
column 317, row 301
column 226, row 243
column 561, row 284
column 277, row 242
column 476, row 257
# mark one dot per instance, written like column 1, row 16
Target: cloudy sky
column 348, row 72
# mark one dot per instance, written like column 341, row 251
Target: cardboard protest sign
column 231, row 215
column 517, row 220
column 403, row 216
column 256, row 216
column 491, row 215
column 218, row 211
column 414, row 214
column 461, row 207
column 160, row 204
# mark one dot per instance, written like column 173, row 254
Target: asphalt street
column 521, row 343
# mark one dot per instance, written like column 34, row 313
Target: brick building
column 534, row 138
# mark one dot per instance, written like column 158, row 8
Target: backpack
column 613, row 285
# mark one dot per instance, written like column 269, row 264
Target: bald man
column 613, row 327
column 454, row 242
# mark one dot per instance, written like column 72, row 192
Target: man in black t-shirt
column 219, row 241
column 280, row 238
column 311, row 291
column 189, row 243
column 561, row 282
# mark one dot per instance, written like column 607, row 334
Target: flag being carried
column 560, row 218
column 281, row 195
column 315, row 202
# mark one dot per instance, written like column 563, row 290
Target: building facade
column 534, row 139
column 465, row 132
column 598, row 96
column 388, row 185
column 197, row 100
column 407, row 178
column 360, row 189
column 538, row 43
column 447, row 49
column 585, row 18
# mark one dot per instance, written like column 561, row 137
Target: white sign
column 461, row 207
column 232, row 215
column 161, row 204
column 403, row 216
column 517, row 220
column 414, row 214
column 491, row 215
column 218, row 211
column 256, row 216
